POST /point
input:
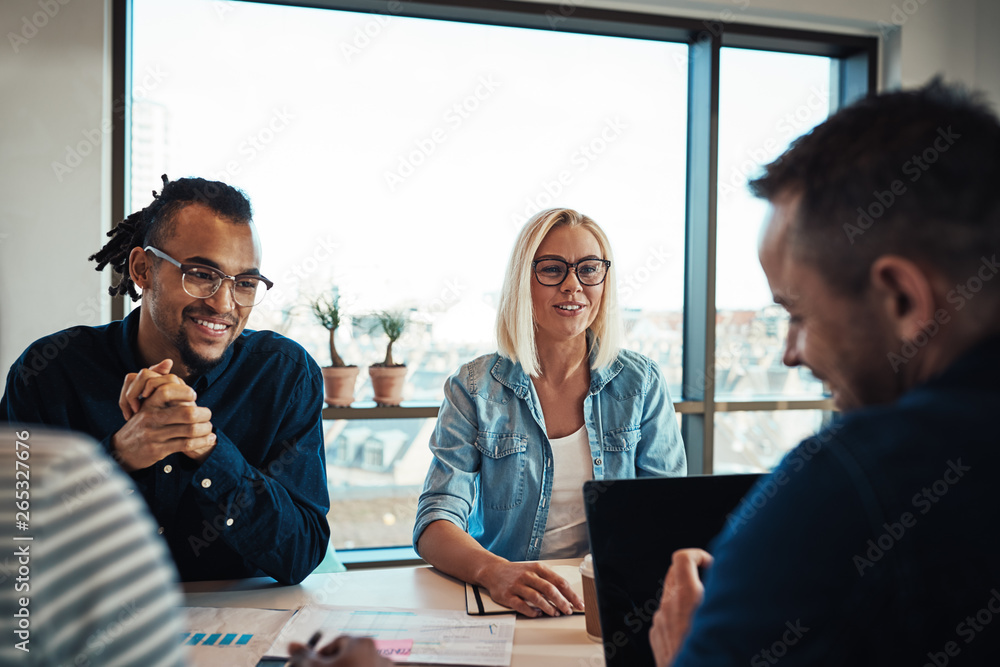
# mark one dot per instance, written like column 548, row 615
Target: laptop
column 635, row 525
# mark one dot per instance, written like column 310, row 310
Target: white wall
column 55, row 90
column 56, row 97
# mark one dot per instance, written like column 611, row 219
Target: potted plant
column 388, row 376
column 338, row 378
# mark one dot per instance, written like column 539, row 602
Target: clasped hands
column 161, row 417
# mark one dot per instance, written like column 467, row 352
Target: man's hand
column 141, row 385
column 343, row 651
column 163, row 418
column 530, row 588
column 682, row 594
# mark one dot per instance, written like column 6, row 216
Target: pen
column 311, row 644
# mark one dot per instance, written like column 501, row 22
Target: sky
column 397, row 158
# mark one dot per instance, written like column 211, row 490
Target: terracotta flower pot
column 388, row 383
column 340, row 383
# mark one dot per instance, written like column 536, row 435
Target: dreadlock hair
column 153, row 224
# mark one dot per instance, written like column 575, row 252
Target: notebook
column 635, row 525
column 478, row 601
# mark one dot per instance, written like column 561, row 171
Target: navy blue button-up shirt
column 258, row 504
column 875, row 542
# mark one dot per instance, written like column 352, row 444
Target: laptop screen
column 635, row 525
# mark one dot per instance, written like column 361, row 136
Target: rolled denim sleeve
column 450, row 487
column 661, row 449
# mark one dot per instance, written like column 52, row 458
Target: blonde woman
column 522, row 429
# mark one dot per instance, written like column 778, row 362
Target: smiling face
column 844, row 341
column 173, row 324
column 565, row 311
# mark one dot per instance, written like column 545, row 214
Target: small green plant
column 327, row 312
column 392, row 325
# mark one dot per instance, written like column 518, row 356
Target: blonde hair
column 515, row 327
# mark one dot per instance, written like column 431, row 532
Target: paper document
column 236, row 637
column 479, row 603
column 433, row 637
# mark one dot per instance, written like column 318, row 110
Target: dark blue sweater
column 258, row 504
column 876, row 542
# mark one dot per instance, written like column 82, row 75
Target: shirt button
column 597, row 462
column 159, row 531
column 168, row 468
column 205, row 483
column 229, row 522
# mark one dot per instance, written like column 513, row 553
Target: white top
column 566, row 528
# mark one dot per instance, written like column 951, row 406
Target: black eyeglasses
column 201, row 282
column 552, row 272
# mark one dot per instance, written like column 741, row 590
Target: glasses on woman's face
column 552, row 272
column 201, row 281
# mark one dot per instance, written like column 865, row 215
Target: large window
column 791, row 94
column 392, row 155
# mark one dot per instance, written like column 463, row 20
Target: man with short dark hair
column 877, row 541
column 220, row 428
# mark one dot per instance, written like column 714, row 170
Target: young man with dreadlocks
column 219, row 428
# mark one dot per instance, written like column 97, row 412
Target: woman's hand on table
column 344, row 651
column 530, row 588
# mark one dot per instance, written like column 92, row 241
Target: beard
column 197, row 364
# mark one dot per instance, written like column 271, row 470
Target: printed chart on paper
column 435, row 637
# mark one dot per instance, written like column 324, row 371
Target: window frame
column 853, row 75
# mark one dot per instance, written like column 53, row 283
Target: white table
column 538, row 642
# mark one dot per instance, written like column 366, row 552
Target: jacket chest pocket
column 501, row 475
column 619, row 452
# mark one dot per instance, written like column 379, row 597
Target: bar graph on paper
column 435, row 637
column 215, row 639
column 231, row 636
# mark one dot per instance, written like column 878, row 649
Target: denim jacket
column 492, row 469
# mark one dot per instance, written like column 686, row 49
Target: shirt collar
column 132, row 360
column 512, row 375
